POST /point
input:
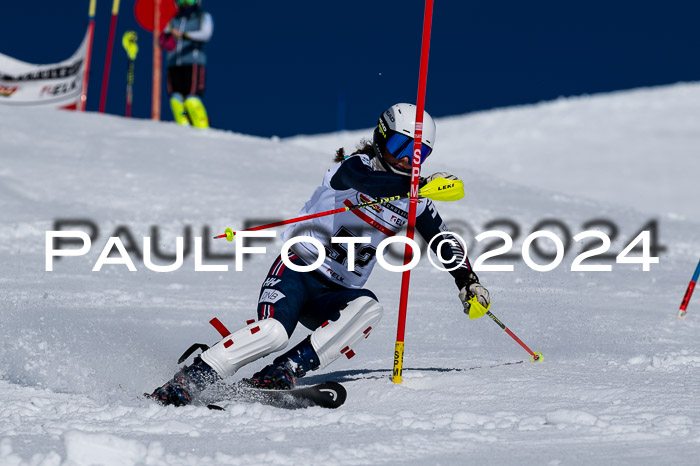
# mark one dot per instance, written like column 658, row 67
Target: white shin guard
column 338, row 337
column 246, row 345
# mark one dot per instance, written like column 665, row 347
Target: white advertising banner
column 55, row 85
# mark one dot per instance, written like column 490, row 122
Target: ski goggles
column 399, row 146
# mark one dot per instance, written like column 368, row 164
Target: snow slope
column 635, row 148
column 620, row 380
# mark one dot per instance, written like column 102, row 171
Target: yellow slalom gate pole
column 129, row 42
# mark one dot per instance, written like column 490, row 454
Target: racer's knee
column 246, row 345
column 338, row 337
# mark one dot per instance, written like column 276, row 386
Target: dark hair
column 363, row 147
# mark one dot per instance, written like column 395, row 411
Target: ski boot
column 196, row 112
column 282, row 374
column 186, row 383
column 177, row 105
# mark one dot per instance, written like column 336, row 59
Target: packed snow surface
column 620, row 381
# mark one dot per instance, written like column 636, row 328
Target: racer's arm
column 356, row 173
column 429, row 224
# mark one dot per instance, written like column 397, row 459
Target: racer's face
column 403, row 164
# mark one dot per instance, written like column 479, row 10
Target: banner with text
column 57, row 85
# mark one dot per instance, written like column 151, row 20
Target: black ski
column 326, row 395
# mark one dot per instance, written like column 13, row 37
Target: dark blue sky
column 284, row 68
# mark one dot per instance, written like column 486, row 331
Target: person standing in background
column 184, row 39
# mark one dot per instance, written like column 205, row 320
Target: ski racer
column 331, row 300
column 184, row 39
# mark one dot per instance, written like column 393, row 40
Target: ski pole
column 477, row 310
column 131, row 48
column 439, row 189
column 688, row 293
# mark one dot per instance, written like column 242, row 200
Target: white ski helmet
column 395, row 131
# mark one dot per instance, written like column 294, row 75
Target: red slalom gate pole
column 413, row 200
column 688, row 293
column 108, row 57
column 88, row 55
